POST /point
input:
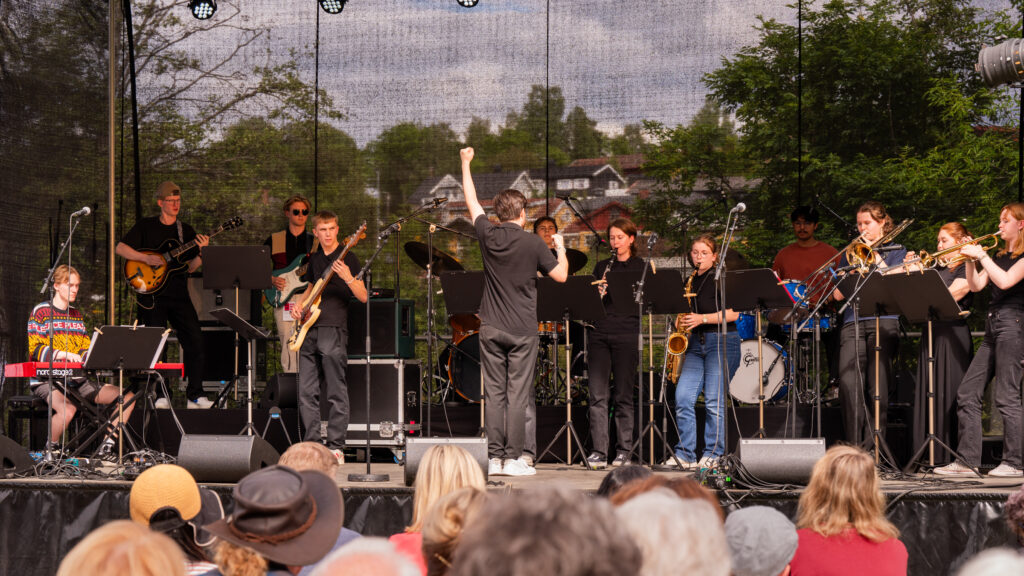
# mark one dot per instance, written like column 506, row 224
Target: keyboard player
column 70, row 343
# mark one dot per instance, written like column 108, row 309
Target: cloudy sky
column 386, row 61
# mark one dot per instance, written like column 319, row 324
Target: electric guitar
column 146, row 279
column 293, row 282
column 311, row 305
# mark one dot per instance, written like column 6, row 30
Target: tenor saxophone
column 677, row 342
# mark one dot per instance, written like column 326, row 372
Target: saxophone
column 677, row 342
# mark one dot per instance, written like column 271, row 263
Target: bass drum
column 744, row 384
column 463, row 367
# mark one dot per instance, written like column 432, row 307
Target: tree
column 631, row 141
column 583, row 139
column 408, row 153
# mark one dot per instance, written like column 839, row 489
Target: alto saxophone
column 677, row 342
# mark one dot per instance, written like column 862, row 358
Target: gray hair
column 993, row 562
column 367, row 555
column 675, row 536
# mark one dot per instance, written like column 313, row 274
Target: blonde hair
column 310, row 456
column 123, row 547
column 239, row 561
column 443, row 469
column 443, row 524
column 1016, row 210
column 844, row 492
column 63, row 274
column 684, row 487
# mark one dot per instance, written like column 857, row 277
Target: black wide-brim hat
column 289, row 517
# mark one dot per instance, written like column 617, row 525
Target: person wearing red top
column 841, row 520
column 802, row 258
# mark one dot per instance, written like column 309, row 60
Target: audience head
column 310, row 456
column 443, row 524
column 167, row 499
column 675, row 536
column 365, row 556
column 844, row 491
column 993, row 562
column 123, row 547
column 1014, row 513
column 287, row 517
column 551, row 530
column 620, row 477
column 443, row 469
column 684, row 487
column 762, row 541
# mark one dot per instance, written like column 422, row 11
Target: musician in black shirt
column 285, row 247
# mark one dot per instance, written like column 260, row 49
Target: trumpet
column 861, row 254
column 940, row 258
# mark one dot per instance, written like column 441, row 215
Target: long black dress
column 953, row 351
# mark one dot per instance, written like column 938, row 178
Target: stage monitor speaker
column 415, row 448
column 13, row 458
column 393, row 326
column 781, row 460
column 218, row 458
column 282, row 390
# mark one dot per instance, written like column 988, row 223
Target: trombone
column 861, row 255
column 948, row 256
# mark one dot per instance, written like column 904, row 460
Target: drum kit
column 458, row 364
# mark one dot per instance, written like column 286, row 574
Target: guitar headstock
column 232, row 223
column 356, row 236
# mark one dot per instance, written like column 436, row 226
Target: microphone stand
column 723, row 365
column 48, row 285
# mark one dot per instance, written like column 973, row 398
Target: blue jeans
column 702, row 372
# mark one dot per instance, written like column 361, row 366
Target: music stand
column 924, row 298
column 663, row 294
column 120, row 348
column 757, row 290
column 240, row 268
column 251, row 334
column 463, row 291
column 575, row 299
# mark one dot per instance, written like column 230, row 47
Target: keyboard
column 63, row 369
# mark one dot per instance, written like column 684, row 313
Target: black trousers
column 324, row 350
column 857, row 376
column 612, row 355
column 507, row 365
column 181, row 314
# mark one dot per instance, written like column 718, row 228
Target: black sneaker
column 621, row 459
column 597, row 461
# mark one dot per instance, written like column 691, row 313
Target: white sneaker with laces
column 955, row 469
column 1005, row 470
column 162, row 403
column 518, row 467
column 200, row 403
column 706, row 462
column 494, row 467
column 671, row 463
column 528, row 459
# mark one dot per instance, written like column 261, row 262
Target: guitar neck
column 193, row 243
column 327, row 274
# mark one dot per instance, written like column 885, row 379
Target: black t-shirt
column 511, row 258
column 150, row 234
column 1013, row 297
column 334, row 300
column 612, row 323
column 948, row 275
column 294, row 246
column 706, row 300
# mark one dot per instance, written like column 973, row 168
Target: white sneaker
column 528, row 459
column 1005, row 470
column 518, row 467
column 956, row 469
column 671, row 463
column 339, row 455
column 162, row 403
column 494, row 467
column 201, row 403
column 706, row 462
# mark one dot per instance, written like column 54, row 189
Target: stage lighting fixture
column 467, row 3
column 1001, row 64
column 332, row 6
column 202, row 9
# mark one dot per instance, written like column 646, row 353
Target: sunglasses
column 304, row 211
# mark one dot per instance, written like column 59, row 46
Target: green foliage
column 407, row 153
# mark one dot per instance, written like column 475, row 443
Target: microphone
column 438, row 201
column 889, row 248
column 741, row 207
column 651, row 241
column 564, row 195
column 85, row 211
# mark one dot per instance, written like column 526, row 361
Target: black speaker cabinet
column 219, row 458
column 219, row 354
column 392, row 327
column 13, row 458
column 281, row 391
column 781, row 460
column 415, row 448
column 394, row 401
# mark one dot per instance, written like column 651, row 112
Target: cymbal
column 577, row 260
column 442, row 262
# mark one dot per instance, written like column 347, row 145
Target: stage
column 942, row 522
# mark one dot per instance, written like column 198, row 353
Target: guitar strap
column 181, row 235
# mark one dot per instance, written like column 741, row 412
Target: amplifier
column 393, row 327
column 394, row 401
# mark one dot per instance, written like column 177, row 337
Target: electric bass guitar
column 293, row 282
column 146, row 279
column 311, row 305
